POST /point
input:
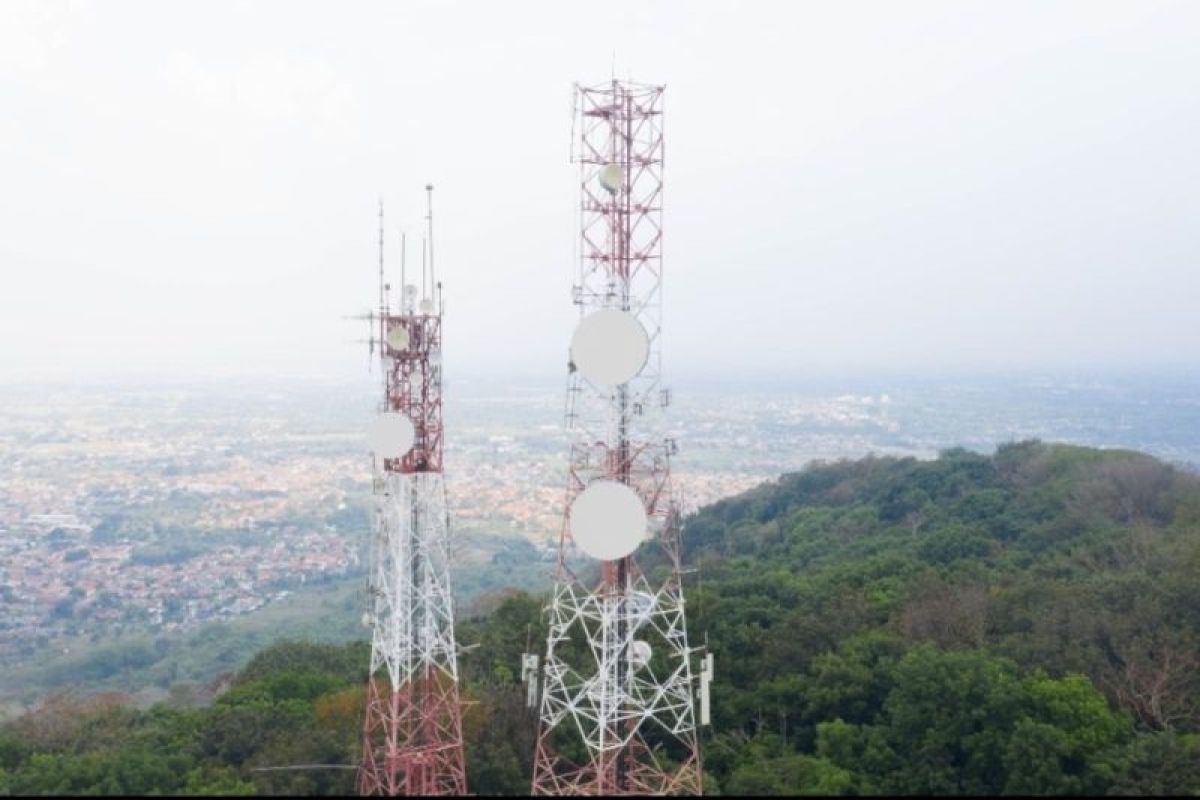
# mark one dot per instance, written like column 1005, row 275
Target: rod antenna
column 382, row 299
column 429, row 232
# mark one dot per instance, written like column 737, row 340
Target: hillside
column 1017, row 623
column 1020, row 623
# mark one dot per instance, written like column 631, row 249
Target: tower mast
column 412, row 733
column 618, row 672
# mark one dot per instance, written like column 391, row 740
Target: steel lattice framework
column 412, row 733
column 611, row 723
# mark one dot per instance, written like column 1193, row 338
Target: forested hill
column 1018, row 623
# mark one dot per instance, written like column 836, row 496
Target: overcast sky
column 193, row 186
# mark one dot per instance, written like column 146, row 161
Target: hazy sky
column 192, row 186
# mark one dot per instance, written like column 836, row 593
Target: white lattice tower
column 617, row 711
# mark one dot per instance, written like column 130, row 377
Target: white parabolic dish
column 640, row 652
column 640, row 604
column 608, row 520
column 391, row 435
column 609, row 347
column 397, row 338
column 611, row 177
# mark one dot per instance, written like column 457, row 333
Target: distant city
column 161, row 509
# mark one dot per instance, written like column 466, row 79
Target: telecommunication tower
column 617, row 711
column 412, row 733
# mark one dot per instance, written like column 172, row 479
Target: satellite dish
column 426, row 306
column 397, row 338
column 608, row 520
column 639, row 653
column 391, row 435
column 609, row 347
column 638, row 606
column 612, row 177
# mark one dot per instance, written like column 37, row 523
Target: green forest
column 1017, row 623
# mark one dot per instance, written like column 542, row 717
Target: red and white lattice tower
column 617, row 711
column 412, row 734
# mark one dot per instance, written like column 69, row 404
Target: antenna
column 403, row 278
column 706, row 676
column 382, row 298
column 529, row 676
column 429, row 231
